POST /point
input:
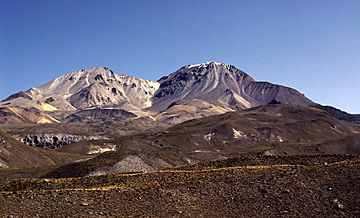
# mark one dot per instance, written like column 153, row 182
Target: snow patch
column 241, row 100
column 201, row 151
column 101, row 149
column 189, row 160
column 203, row 64
column 268, row 153
column 238, row 134
column 3, row 164
column 152, row 118
column 47, row 120
column 47, row 107
column 336, row 129
column 209, row 136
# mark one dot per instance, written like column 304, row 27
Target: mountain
column 79, row 90
column 223, row 85
column 205, row 140
column 98, row 94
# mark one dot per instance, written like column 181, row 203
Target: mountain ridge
column 216, row 85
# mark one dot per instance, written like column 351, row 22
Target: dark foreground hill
column 304, row 186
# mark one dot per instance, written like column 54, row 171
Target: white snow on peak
column 102, row 86
column 204, row 64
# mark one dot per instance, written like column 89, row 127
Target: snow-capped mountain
column 96, row 87
column 84, row 89
column 207, row 88
column 223, row 85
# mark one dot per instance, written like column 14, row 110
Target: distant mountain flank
column 98, row 94
column 339, row 114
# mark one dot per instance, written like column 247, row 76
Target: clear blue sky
column 310, row 45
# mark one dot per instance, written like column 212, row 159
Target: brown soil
column 308, row 186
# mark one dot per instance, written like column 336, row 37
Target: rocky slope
column 201, row 90
column 222, row 85
column 314, row 186
column 76, row 91
column 99, row 114
column 339, row 114
column 15, row 155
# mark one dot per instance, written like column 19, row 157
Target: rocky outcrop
column 53, row 140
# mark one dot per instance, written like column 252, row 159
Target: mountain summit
column 80, row 90
column 223, row 85
column 200, row 86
